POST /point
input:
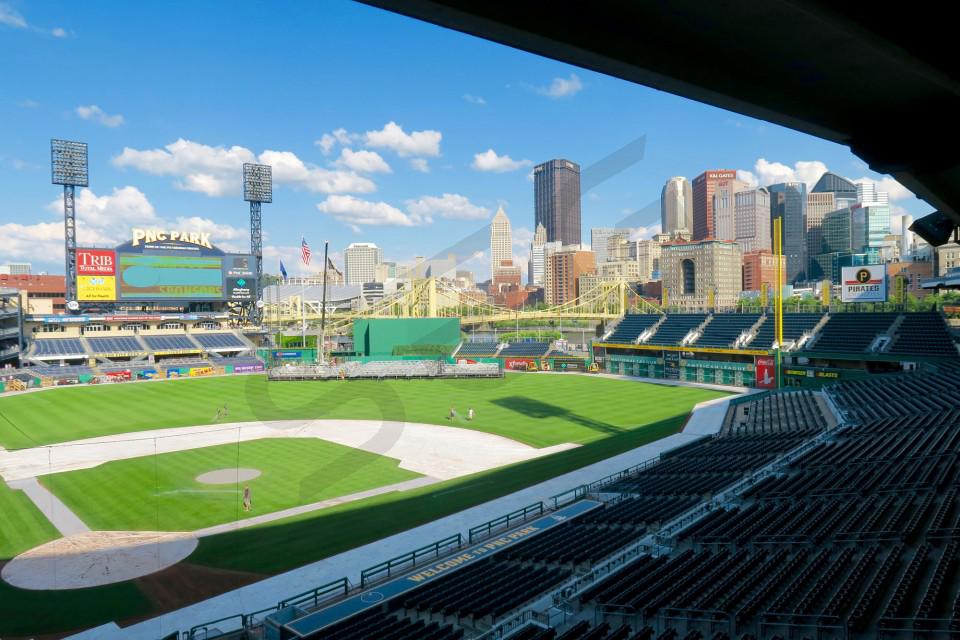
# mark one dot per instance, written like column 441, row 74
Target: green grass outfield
column 160, row 493
column 22, row 526
column 536, row 409
column 606, row 416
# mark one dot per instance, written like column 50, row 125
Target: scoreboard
column 165, row 266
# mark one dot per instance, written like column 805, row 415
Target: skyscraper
column 844, row 191
column 600, row 241
column 537, row 249
column 703, row 187
column 724, row 202
column 676, row 206
column 501, row 241
column 751, row 213
column 788, row 200
column 556, row 198
column 819, row 204
column 360, row 262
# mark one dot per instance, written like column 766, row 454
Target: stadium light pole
column 257, row 189
column 69, row 168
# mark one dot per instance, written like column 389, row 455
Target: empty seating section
column 923, row 334
column 787, row 412
column 379, row 624
column 478, row 349
column 529, row 349
column 794, row 326
column 487, row 589
column 58, row 347
column 676, row 327
column 632, row 325
column 169, row 343
column 855, row 534
column 851, row 332
column 725, row 328
column 219, row 341
column 118, row 344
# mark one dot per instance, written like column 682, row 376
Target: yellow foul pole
column 778, row 298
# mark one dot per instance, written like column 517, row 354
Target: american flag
column 305, row 250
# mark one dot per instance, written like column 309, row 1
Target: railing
column 504, row 522
column 620, row 475
column 569, row 496
column 315, row 596
column 614, row 564
column 512, row 624
column 409, row 560
column 246, row 620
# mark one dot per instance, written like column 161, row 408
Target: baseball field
column 328, row 461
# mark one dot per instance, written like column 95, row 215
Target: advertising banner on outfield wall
column 766, row 373
column 863, row 284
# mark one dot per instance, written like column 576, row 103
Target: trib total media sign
column 863, row 284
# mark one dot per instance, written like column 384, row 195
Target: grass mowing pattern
column 22, row 526
column 606, row 416
column 292, row 542
column 160, row 493
column 536, row 409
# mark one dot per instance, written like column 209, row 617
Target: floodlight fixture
column 257, row 182
column 68, row 160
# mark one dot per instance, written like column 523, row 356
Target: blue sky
column 374, row 123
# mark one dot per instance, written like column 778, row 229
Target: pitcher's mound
column 228, row 476
column 97, row 558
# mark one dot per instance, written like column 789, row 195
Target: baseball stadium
column 192, row 449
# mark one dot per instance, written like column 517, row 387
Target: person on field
column 470, row 413
column 453, row 414
column 247, row 500
column 218, row 414
column 226, row 411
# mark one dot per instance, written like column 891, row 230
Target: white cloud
column 338, row 136
column 474, row 99
column 356, row 212
column 767, row 173
column 10, row 17
column 562, row 87
column 645, row 233
column 416, row 143
column 363, row 161
column 28, row 104
column 95, row 113
column 217, row 171
column 101, row 220
column 809, row 171
column 449, row 205
column 490, row 161
column 58, row 32
column 420, row 164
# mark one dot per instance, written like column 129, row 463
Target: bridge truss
column 432, row 298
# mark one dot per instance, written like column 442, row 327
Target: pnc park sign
column 148, row 236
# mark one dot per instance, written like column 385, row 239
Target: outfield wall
column 379, row 337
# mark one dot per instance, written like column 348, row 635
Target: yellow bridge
column 431, row 298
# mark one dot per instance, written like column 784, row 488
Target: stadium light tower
column 257, row 189
column 68, row 162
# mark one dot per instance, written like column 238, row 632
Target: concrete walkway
column 707, row 418
column 65, row 520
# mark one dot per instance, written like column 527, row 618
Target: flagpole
column 303, row 301
column 323, row 308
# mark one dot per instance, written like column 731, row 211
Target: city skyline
column 346, row 169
